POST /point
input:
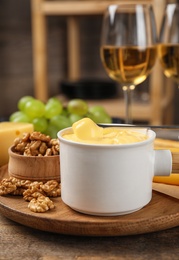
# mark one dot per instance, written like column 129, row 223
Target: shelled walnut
column 37, row 193
column 36, row 144
column 41, row 204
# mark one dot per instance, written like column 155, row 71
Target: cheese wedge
column 173, row 179
column 8, row 132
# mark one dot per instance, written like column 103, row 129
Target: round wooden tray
column 161, row 213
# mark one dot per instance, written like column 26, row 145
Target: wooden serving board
column 160, row 214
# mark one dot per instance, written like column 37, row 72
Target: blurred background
column 16, row 56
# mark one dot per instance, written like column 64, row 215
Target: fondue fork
column 166, row 139
column 170, row 132
column 141, row 126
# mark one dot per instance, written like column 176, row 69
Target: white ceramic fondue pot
column 110, row 180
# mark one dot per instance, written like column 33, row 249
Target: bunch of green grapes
column 52, row 116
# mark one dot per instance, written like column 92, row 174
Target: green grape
column 95, row 108
column 77, row 106
column 53, row 107
column 54, row 99
column 65, row 112
column 74, row 117
column 22, row 102
column 60, row 122
column 19, row 116
column 40, row 124
column 34, row 108
column 100, row 117
column 51, row 130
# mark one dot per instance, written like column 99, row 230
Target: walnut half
column 36, row 144
column 41, row 204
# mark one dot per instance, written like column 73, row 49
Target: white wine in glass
column 128, row 46
column 168, row 48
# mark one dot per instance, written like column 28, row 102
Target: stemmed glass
column 128, row 46
column 168, row 49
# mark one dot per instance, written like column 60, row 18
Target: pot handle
column 163, row 163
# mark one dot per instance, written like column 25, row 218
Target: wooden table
column 20, row 242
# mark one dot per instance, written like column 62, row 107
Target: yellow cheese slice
column 8, row 132
column 172, row 179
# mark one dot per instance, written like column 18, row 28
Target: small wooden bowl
column 34, row 168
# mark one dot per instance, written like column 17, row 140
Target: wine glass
column 168, row 48
column 128, row 46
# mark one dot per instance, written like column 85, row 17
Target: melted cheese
column 86, row 131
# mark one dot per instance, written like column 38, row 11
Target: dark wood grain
column 160, row 214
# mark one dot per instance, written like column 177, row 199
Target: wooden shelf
column 78, row 7
column 115, row 107
column 141, row 111
column 159, row 109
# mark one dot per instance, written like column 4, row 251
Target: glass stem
column 128, row 90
